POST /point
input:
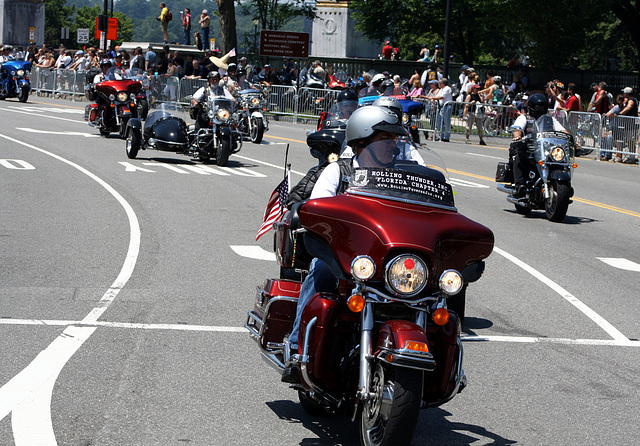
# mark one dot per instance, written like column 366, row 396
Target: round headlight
column 20, row 72
column 223, row 114
column 405, row 118
column 557, row 153
column 406, row 274
column 363, row 268
column 122, row 96
column 451, row 282
column 132, row 95
column 112, row 97
column 255, row 101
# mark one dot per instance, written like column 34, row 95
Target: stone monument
column 21, row 21
column 334, row 33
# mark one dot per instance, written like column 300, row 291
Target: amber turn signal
column 441, row 316
column 356, row 303
column 417, row 346
column 575, row 165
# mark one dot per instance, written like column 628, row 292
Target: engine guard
column 404, row 344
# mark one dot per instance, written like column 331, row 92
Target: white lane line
column 485, row 156
column 620, row 263
column 253, row 252
column 465, row 183
column 44, row 116
column 40, row 430
column 226, row 329
column 595, row 317
column 65, row 133
column 267, row 164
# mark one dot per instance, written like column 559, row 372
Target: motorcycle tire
column 223, row 152
column 123, row 128
column 143, row 109
column 558, row 203
column 415, row 136
column 132, row 144
column 456, row 303
column 24, row 95
column 257, row 130
column 104, row 132
column 390, row 417
column 311, row 406
column 490, row 125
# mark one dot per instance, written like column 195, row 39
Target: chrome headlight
column 451, row 282
column 363, row 268
column 255, row 101
column 122, row 96
column 112, row 97
column 405, row 118
column 132, row 95
column 20, row 72
column 406, row 274
column 223, row 114
column 557, row 154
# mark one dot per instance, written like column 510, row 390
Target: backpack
column 302, row 190
column 169, row 16
column 498, row 95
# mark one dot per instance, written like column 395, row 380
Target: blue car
column 14, row 80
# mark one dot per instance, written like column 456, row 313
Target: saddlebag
column 274, row 311
column 91, row 112
column 504, row 174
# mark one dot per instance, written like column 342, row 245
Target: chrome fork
column 366, row 352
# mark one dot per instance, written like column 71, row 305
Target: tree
column 228, row 37
column 85, row 17
column 274, row 15
column 56, row 16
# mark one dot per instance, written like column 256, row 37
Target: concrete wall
column 16, row 17
column 334, row 34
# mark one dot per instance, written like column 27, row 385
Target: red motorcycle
column 115, row 105
column 387, row 343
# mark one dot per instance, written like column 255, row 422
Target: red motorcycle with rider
column 115, row 99
column 377, row 262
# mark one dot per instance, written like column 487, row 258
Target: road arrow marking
column 625, row 264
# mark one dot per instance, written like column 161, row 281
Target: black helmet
column 387, row 83
column 232, row 66
column 367, row 121
column 391, row 103
column 105, row 63
column 346, row 95
column 537, row 105
column 241, row 72
column 360, row 85
column 213, row 74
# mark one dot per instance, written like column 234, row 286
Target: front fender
column 560, row 175
column 134, row 123
column 224, row 130
column 404, row 344
column 22, row 83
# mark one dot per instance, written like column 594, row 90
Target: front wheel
column 133, row 143
column 104, row 132
column 24, row 94
column 257, row 130
column 415, row 135
column 557, row 204
column 223, row 152
column 390, row 417
column 143, row 108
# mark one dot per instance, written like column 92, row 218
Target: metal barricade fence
column 586, row 129
column 188, row 87
column 282, row 100
column 620, row 137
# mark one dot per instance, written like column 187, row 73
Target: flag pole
column 287, row 166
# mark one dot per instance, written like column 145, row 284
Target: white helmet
column 367, row 121
column 378, row 77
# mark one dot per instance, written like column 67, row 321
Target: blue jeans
column 187, row 36
column 205, row 38
column 444, row 122
column 320, row 279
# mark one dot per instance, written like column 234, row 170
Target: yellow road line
column 55, row 105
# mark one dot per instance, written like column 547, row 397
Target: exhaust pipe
column 506, row 189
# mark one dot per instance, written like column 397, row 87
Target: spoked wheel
column 132, row 144
column 257, row 130
column 223, row 152
column 390, row 417
column 558, row 203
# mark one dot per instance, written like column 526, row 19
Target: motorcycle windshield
column 342, row 111
column 397, row 170
column 216, row 102
column 550, row 135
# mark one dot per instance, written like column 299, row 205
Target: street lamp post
column 255, row 35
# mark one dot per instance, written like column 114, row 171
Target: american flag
column 275, row 206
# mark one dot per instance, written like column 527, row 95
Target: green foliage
column 57, row 15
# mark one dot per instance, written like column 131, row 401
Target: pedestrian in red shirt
column 573, row 102
column 387, row 50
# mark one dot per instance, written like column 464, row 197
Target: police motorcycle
column 384, row 344
column 551, row 160
column 14, row 80
column 251, row 113
column 115, row 102
column 220, row 137
column 160, row 131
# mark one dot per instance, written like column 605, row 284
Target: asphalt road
column 124, row 286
